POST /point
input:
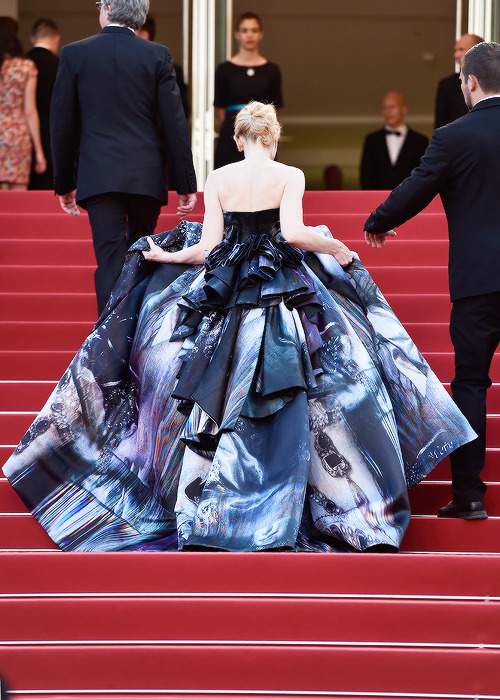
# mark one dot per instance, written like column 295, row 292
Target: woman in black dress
column 247, row 76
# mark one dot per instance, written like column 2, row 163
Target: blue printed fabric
column 269, row 399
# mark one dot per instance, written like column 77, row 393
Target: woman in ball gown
column 246, row 76
column 19, row 121
column 249, row 389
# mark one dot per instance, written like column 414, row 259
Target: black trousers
column 475, row 334
column 117, row 220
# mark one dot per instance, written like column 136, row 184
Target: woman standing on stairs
column 19, row 122
column 259, row 396
column 246, row 76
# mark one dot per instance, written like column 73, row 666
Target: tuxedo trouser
column 117, row 220
column 475, row 334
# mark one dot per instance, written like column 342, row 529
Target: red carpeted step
column 427, row 497
column 32, row 251
column 43, row 335
column 34, row 364
column 44, row 225
column 433, row 534
column 9, row 500
column 273, row 618
column 5, row 453
column 202, row 695
column 349, row 226
column 443, row 365
column 14, row 425
column 62, row 306
column 23, row 532
column 48, row 278
column 491, row 471
column 225, row 573
column 492, row 397
column 24, row 395
column 391, row 280
column 420, row 308
column 354, row 200
column 403, row 252
column 430, row 336
column 331, row 200
column 320, row 668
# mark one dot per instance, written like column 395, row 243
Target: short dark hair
column 150, row 27
column 483, row 61
column 45, row 27
column 9, row 41
column 248, row 15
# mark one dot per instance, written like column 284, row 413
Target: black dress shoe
column 474, row 510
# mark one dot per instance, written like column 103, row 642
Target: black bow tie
column 394, row 133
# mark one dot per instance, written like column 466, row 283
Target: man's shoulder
column 417, row 136
column 99, row 41
column 39, row 54
column 450, row 80
column 375, row 135
column 484, row 112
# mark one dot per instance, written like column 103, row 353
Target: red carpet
column 424, row 623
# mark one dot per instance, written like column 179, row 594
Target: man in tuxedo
column 450, row 103
column 115, row 100
column 390, row 154
column 45, row 37
column 461, row 164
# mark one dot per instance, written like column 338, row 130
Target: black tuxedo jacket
column 47, row 64
column 450, row 103
column 461, row 164
column 377, row 172
column 112, row 92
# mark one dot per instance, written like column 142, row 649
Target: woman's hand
column 155, row 253
column 40, row 163
column 341, row 253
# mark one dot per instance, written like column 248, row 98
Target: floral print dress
column 15, row 140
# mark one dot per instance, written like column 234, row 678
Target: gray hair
column 131, row 13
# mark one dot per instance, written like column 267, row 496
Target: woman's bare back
column 251, row 185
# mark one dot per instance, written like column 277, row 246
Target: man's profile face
column 462, row 45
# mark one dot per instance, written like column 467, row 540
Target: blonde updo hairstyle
column 258, row 122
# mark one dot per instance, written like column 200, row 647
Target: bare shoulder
column 295, row 178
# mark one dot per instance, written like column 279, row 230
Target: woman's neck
column 246, row 57
column 255, row 152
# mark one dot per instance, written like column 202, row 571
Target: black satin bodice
column 240, row 226
column 254, row 236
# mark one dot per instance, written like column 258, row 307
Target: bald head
column 462, row 45
column 394, row 109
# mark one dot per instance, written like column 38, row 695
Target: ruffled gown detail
column 269, row 399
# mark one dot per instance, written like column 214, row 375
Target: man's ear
column 472, row 83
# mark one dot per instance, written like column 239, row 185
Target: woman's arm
column 213, row 229
column 221, row 114
column 292, row 222
column 31, row 114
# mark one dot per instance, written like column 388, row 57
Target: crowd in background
column 388, row 154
